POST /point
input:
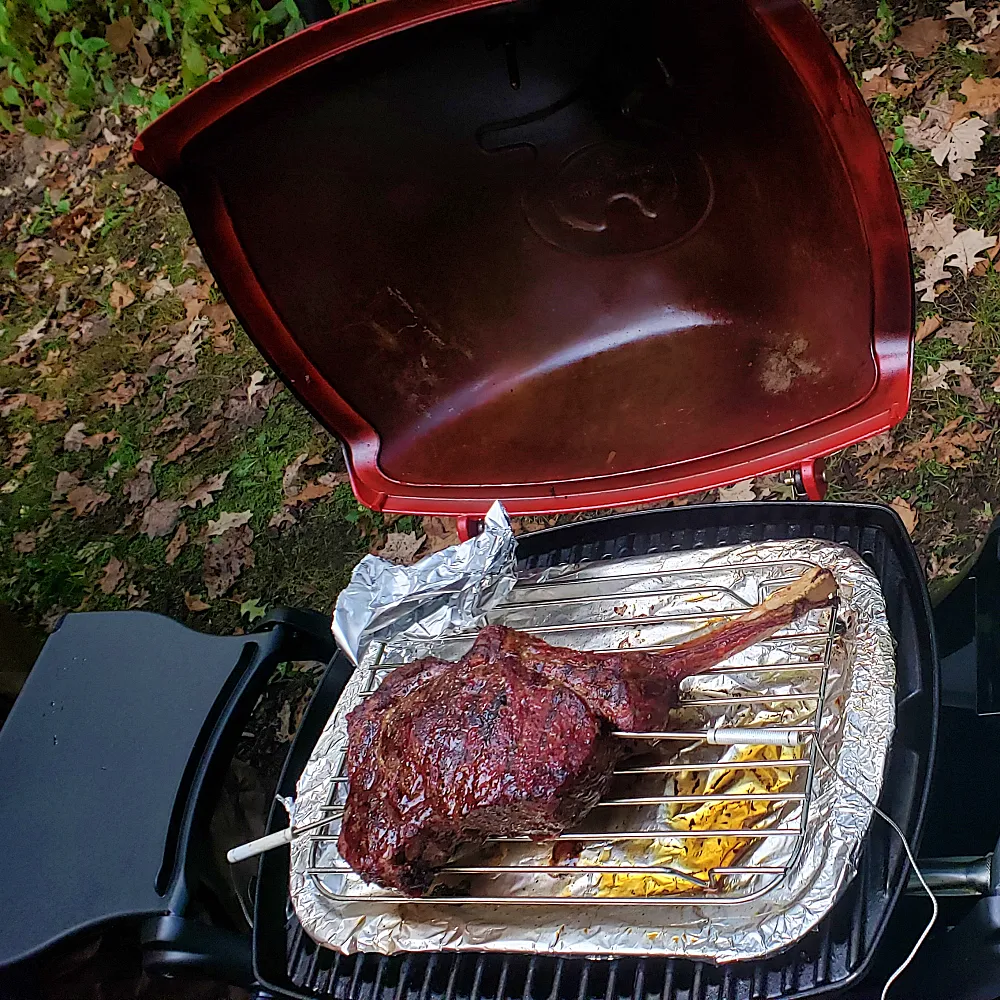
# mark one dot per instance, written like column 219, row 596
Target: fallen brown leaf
column 159, row 518
column 225, row 559
column 843, row 47
column 98, row 154
column 246, row 408
column 137, row 597
column 27, row 340
column 290, row 477
column 100, row 439
column 85, row 500
column 219, row 316
column 185, row 351
column 881, row 444
column 8, row 404
column 937, row 378
column 118, row 34
column 283, row 517
column 927, row 326
column 401, row 546
column 194, row 442
column 959, row 12
column 65, row 481
column 49, row 410
column 24, row 542
column 907, row 514
column 176, row 544
column 228, row 521
column 738, row 492
column 142, row 56
column 949, row 447
column 121, row 390
column 112, row 575
column 441, row 532
column 309, row 492
column 121, row 297
column 75, row 436
column 981, row 97
column 967, row 388
column 19, row 449
column 194, row 603
column 332, row 478
column 884, row 84
column 173, row 422
column 941, row 566
column 957, row 333
column 140, row 489
column 922, row 37
column 194, row 296
column 202, row 493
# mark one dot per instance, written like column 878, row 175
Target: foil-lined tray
column 831, row 673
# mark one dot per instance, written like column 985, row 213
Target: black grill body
column 831, row 960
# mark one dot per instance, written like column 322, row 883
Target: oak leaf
column 309, row 492
column 121, row 297
column 982, row 97
column 202, row 493
column 933, row 230
column 742, row 491
column 440, row 531
column 959, row 12
column 176, row 544
column 159, row 518
column 228, row 521
column 401, row 546
column 928, row 326
column 922, row 37
column 85, row 500
column 963, row 250
column 957, row 332
column 112, row 575
column 193, row 603
column 226, row 557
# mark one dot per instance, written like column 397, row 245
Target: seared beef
column 514, row 739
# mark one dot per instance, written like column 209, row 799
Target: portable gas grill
column 505, row 249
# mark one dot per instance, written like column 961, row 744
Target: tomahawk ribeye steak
column 516, row 738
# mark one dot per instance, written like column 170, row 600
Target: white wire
column 913, row 862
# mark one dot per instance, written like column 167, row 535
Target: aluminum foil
column 754, row 915
column 445, row 593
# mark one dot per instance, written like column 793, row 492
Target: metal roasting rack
column 596, row 615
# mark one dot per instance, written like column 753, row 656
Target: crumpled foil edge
column 448, row 591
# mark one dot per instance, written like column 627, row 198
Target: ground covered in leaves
column 149, row 458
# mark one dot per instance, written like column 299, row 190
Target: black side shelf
column 111, row 758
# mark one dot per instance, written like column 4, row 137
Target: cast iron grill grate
column 830, row 957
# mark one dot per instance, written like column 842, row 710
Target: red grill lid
column 569, row 254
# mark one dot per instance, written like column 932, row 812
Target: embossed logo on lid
column 623, row 196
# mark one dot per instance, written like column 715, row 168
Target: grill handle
column 953, row 876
